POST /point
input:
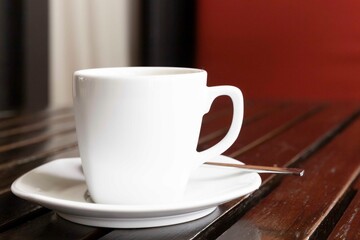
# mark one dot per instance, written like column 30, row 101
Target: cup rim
column 138, row 72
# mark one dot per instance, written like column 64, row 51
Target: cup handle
column 238, row 105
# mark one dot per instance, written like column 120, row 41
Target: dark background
column 300, row 50
column 24, row 65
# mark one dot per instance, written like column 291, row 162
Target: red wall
column 282, row 49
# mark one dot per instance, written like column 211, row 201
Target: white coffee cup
column 138, row 129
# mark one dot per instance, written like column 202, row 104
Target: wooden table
column 322, row 138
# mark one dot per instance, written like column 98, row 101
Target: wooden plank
column 39, row 125
column 274, row 132
column 316, row 130
column 21, row 136
column 258, row 128
column 298, row 142
column 31, row 138
column 33, row 117
column 216, row 129
column 13, row 146
column 348, row 225
column 301, row 208
column 15, row 210
column 44, row 143
column 50, row 226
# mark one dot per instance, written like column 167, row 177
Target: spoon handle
column 261, row 169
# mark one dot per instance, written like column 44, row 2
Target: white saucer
column 60, row 185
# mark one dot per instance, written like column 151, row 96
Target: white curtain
column 88, row 34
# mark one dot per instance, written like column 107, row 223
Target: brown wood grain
column 300, row 208
column 267, row 128
column 258, row 127
column 284, row 150
column 50, row 226
column 31, row 139
column 33, row 117
column 348, row 225
column 62, row 139
column 215, row 126
column 15, row 211
column 273, row 134
column 39, row 125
